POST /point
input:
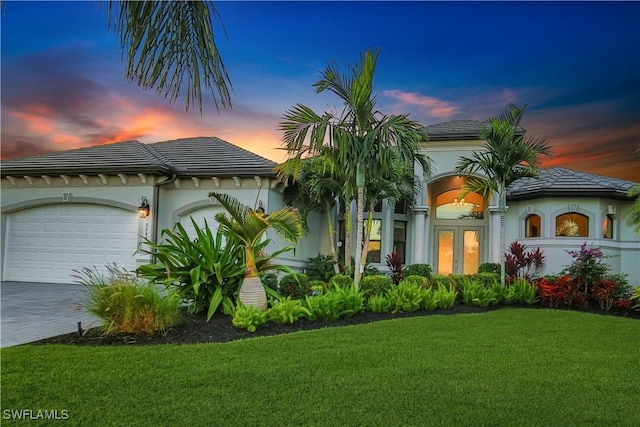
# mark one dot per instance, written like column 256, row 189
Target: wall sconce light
column 260, row 208
column 611, row 209
column 143, row 210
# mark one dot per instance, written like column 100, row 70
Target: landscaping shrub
column 287, row 311
column 340, row 281
column 429, row 300
column 295, row 285
column 423, row 270
column 520, row 263
column 421, row 281
column 487, row 279
column 557, row 291
column 502, row 293
column 127, row 305
column 587, row 267
column 248, row 317
column 378, row 304
column 405, row 297
column 375, row 285
column 348, row 300
column 446, row 297
column 323, row 307
column 394, row 262
column 442, row 280
column 270, row 280
column 320, row 268
column 489, row 267
column 317, row 287
column 636, row 297
column 202, row 271
column 370, row 270
column 475, row 293
column 522, row 292
column 603, row 292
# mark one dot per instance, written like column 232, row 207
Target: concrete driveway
column 33, row 311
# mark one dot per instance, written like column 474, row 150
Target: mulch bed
column 194, row 329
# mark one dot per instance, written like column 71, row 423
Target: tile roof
column 202, row 156
column 212, row 156
column 568, row 182
column 457, row 129
column 120, row 157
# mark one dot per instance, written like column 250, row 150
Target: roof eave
column 608, row 193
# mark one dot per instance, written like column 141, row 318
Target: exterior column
column 420, row 236
column 494, row 232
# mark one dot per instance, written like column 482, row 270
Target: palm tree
column 248, row 227
column 507, row 157
column 360, row 137
column 170, row 47
column 318, row 189
column 634, row 217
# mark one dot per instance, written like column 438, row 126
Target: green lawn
column 506, row 367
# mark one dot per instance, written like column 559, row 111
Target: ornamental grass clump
column 127, row 305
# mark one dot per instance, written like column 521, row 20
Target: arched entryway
column 459, row 225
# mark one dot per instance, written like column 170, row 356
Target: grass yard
column 512, row 366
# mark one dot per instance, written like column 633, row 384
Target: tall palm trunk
column 502, row 208
column 367, row 238
column 332, row 243
column 347, row 240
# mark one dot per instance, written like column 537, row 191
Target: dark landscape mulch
column 194, row 329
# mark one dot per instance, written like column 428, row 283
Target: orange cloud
column 427, row 104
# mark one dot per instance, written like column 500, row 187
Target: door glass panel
column 445, row 252
column 471, row 251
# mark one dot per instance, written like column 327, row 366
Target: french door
column 458, row 249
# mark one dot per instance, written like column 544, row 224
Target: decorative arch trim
column 50, row 201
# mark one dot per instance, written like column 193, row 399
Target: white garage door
column 46, row 244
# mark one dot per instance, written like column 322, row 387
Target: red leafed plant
column 561, row 291
column 520, row 263
column 603, row 292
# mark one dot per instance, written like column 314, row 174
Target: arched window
column 607, row 227
column 450, row 205
column 572, row 225
column 532, row 226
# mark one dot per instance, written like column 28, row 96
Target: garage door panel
column 48, row 243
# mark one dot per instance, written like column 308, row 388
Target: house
column 80, row 208
column 456, row 235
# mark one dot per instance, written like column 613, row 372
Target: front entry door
column 458, row 249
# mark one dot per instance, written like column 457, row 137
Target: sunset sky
column 576, row 65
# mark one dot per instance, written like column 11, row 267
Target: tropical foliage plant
column 248, row 317
column 507, row 157
column 405, row 297
column 170, row 47
column 287, row 311
column 475, row 293
column 202, row 270
column 395, row 264
column 378, row 304
column 522, row 292
column 359, row 142
column 446, row 297
column 521, row 263
column 423, row 270
column 295, row 285
column 320, row 267
column 125, row 304
column 375, row 285
column 248, row 227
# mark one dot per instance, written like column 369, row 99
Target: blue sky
column 576, row 65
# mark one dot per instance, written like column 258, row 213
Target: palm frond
column 170, row 46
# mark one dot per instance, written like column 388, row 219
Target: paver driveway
column 32, row 311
